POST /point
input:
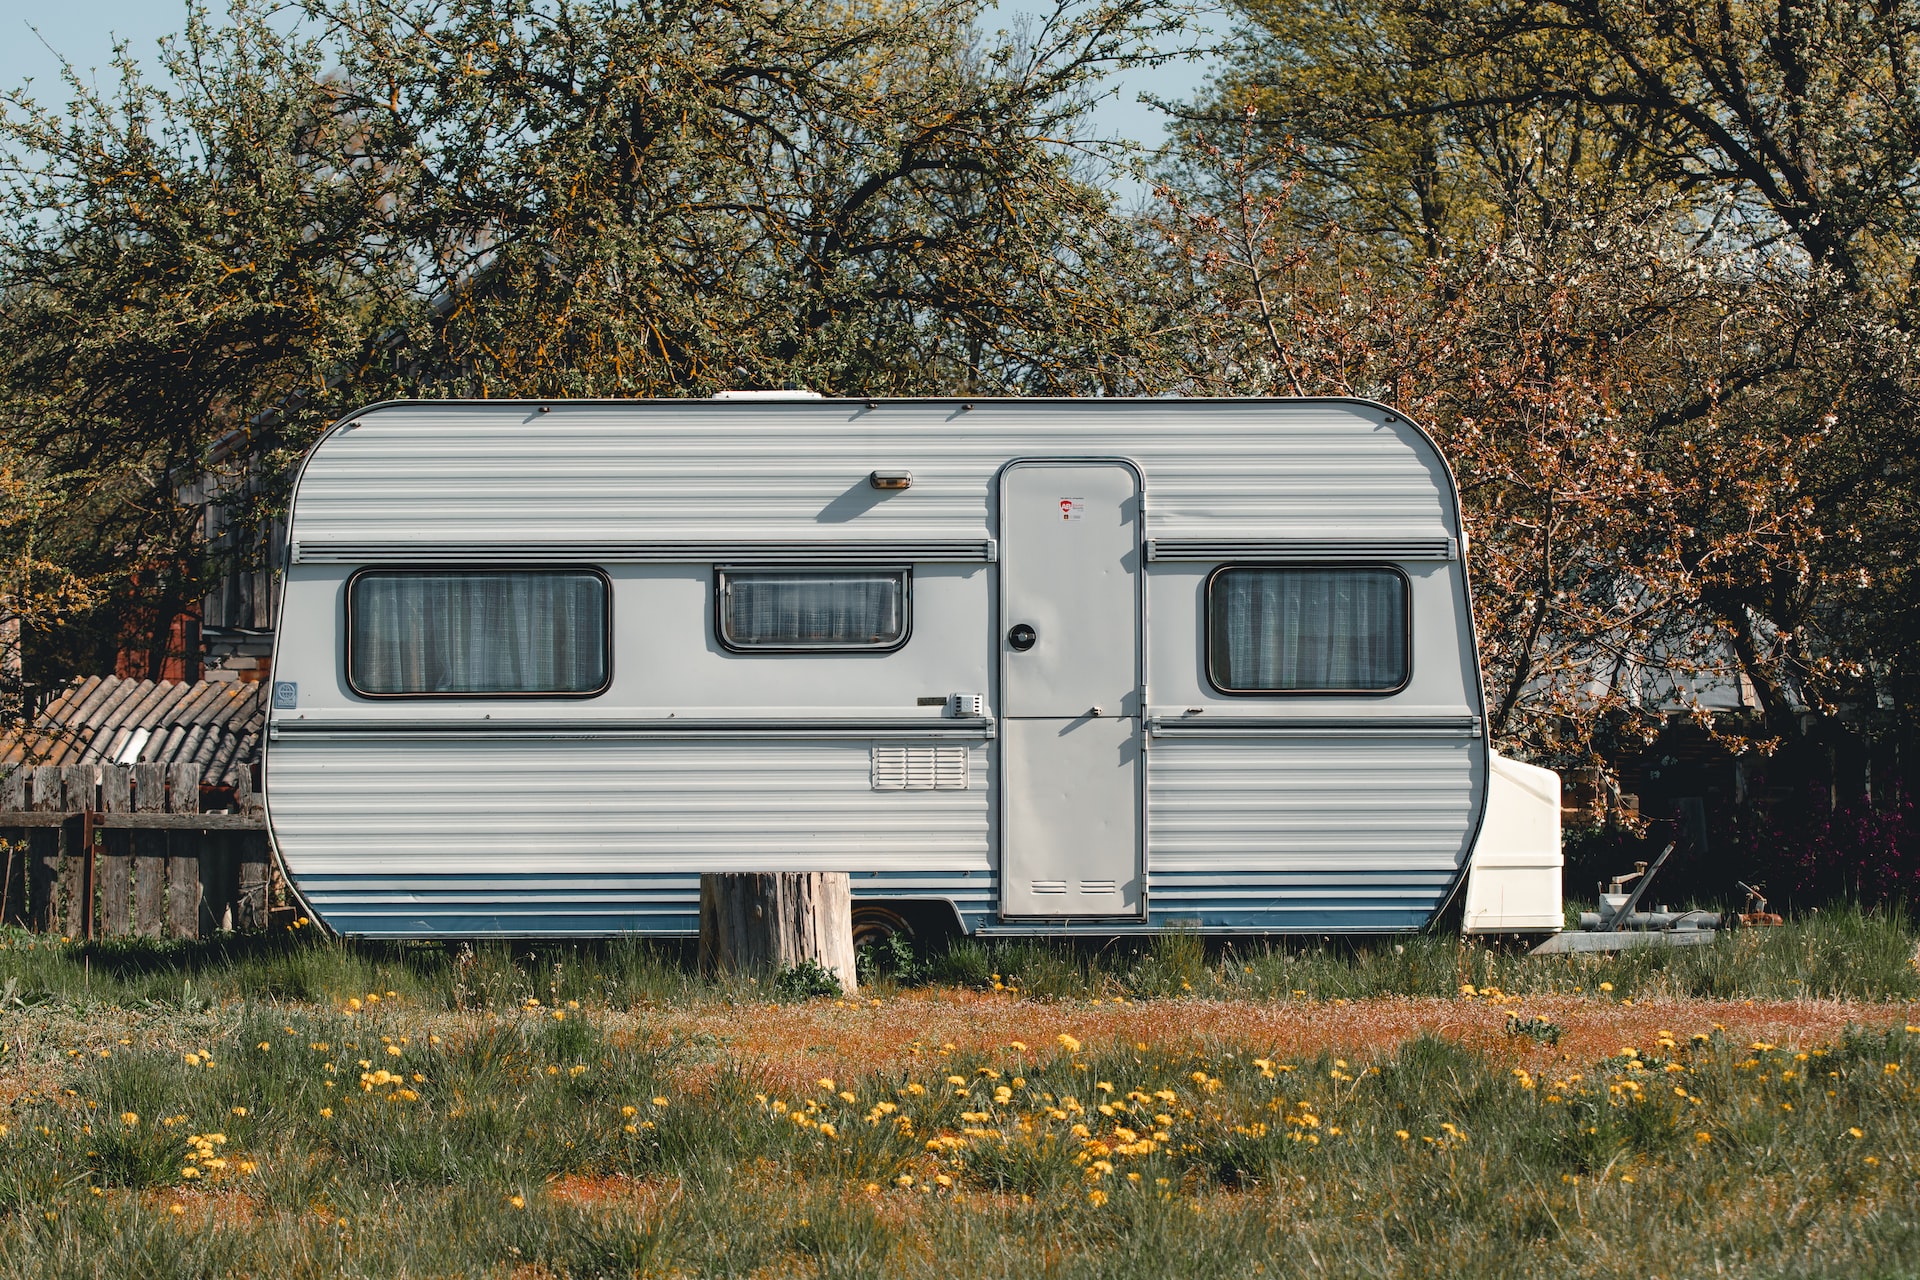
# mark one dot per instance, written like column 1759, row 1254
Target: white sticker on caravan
column 1072, row 508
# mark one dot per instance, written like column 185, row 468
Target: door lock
column 1021, row 637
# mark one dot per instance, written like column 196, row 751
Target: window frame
column 606, row 632
column 720, row 571
column 1207, row 628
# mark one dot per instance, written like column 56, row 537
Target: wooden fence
column 111, row 850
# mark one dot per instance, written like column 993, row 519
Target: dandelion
column 1893, row 1068
column 393, row 1051
column 629, row 1111
column 959, row 1080
column 1096, row 1197
column 1019, row 1047
column 130, row 1118
column 1068, row 1043
column 240, row 1111
column 1606, row 986
column 825, row 1082
column 943, row 1180
column 660, row 1102
column 265, row 1046
column 576, row 1071
column 176, row 1208
column 847, row 1096
column 518, row 1202
column 1401, row 1134
column 1855, row 1133
column 326, row 1113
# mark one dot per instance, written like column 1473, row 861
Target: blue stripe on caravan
column 582, row 904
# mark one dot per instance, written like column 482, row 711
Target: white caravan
column 1018, row 666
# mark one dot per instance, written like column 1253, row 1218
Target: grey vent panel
column 919, row 768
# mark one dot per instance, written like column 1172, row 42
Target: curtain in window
column 827, row 609
column 478, row 633
column 1288, row 630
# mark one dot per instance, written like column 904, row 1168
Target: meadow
column 305, row 1107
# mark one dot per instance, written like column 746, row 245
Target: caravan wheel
column 875, row 923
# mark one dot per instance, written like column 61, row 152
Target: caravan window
column 812, row 609
column 477, row 634
column 1295, row 629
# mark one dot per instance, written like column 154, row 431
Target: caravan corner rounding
column 1040, row 666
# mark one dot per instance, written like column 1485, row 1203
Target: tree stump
column 753, row 922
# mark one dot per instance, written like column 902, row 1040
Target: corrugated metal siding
column 640, row 472
column 1307, row 833
column 572, row 837
column 214, row 725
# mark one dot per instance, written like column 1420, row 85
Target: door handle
column 1021, row 637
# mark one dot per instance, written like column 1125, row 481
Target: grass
column 306, row 1107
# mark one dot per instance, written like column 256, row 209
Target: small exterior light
column 891, row 479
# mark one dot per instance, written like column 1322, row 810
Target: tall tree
column 179, row 262
column 628, row 198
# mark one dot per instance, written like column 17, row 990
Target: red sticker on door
column 1072, row 508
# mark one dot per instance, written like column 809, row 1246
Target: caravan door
column 1071, row 764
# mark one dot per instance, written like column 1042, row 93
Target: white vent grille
column 919, row 768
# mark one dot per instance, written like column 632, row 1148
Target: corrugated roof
column 214, row 725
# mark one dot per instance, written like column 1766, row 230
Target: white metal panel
column 1071, row 817
column 1513, row 881
column 1332, row 803
column 1071, row 570
column 477, row 807
column 1070, row 536
column 445, row 473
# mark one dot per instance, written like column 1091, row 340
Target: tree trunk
column 752, row 922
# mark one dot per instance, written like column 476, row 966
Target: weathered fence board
column 149, row 851
column 113, row 867
column 43, row 846
column 183, row 864
column 111, row 850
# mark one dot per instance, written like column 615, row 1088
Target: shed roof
column 100, row 718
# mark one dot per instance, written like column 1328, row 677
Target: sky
column 36, row 34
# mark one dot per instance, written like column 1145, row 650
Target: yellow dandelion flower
column 629, row 1110
column 846, row 1096
column 576, row 1071
column 827, row 1130
column 1068, row 1043
column 943, row 1180
column 660, row 1102
column 916, row 1089
column 825, row 1082
column 1019, row 1047
column 353, row 1005
column 393, row 1051
column 130, row 1118
column 326, row 1113
column 1402, row 1134
column 240, row 1111
column 176, row 1208
column 265, row 1046
column 518, row 1202
column 956, row 1079
column 1606, row 986
column 1096, row 1197
column 1855, row 1133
